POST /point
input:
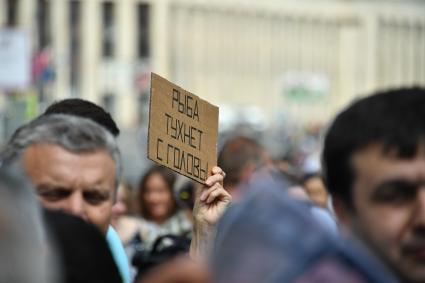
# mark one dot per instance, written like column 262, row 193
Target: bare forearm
column 202, row 238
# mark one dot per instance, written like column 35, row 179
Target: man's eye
column 395, row 193
column 54, row 195
column 95, row 197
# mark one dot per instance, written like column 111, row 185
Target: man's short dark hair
column 394, row 119
column 237, row 153
column 85, row 109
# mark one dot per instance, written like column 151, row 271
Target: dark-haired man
column 86, row 109
column 374, row 167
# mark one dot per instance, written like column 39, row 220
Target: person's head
column 155, row 194
column 73, row 162
column 269, row 235
column 85, row 109
column 24, row 256
column 239, row 158
column 316, row 190
column 374, row 167
column 82, row 250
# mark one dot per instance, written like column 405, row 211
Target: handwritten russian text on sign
column 183, row 130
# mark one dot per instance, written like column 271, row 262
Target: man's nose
column 76, row 205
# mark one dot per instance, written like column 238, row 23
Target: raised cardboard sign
column 183, row 130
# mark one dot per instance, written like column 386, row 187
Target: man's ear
column 342, row 211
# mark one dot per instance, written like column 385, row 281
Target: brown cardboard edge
column 149, row 119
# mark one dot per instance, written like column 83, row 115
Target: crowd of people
column 66, row 214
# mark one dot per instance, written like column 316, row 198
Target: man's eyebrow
column 396, row 189
column 100, row 189
column 51, row 187
column 398, row 182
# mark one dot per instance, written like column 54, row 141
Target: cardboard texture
column 183, row 130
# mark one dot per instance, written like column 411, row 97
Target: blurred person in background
column 24, row 255
column 171, row 228
column 374, row 167
column 130, row 228
column 158, row 204
column 321, row 215
column 122, row 219
column 82, row 250
column 312, row 181
column 240, row 157
column 269, row 237
column 122, row 205
column 316, row 190
column 299, row 193
column 243, row 157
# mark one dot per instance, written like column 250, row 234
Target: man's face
column 389, row 209
column 81, row 184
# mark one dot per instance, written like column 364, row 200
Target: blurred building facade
column 298, row 59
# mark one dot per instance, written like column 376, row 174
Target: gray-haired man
column 73, row 163
column 75, row 166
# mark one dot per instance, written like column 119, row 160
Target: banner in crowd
column 183, row 130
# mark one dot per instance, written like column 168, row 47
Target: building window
column 12, row 12
column 143, row 30
column 43, row 21
column 75, row 45
column 108, row 35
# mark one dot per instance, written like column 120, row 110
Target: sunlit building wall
column 298, row 59
column 303, row 59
